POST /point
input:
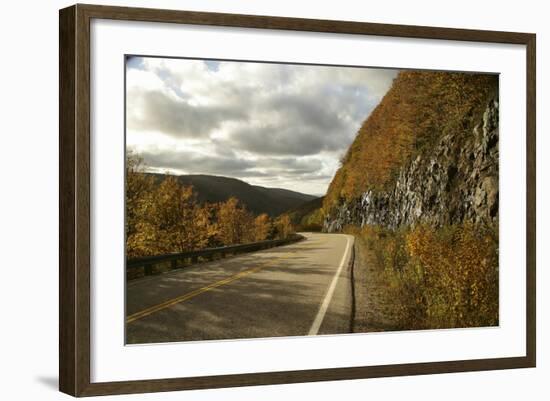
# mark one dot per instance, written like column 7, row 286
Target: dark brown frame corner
column 74, row 199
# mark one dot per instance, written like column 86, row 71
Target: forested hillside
column 420, row 108
column 419, row 189
column 257, row 199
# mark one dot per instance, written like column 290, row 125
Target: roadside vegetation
column 308, row 216
column 435, row 277
column 163, row 216
column 427, row 277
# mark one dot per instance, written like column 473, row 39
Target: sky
column 274, row 125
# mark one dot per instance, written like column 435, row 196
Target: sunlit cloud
column 269, row 124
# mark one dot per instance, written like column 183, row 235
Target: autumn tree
column 208, row 226
column 262, row 227
column 168, row 219
column 164, row 216
column 235, row 222
column 283, row 226
column 138, row 187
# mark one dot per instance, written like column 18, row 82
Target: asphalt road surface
column 293, row 290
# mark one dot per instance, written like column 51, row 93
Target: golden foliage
column 262, row 227
column 138, row 185
column 169, row 220
column 163, row 216
column 440, row 277
column 420, row 107
column 235, row 223
column 283, row 226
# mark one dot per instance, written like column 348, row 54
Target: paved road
column 293, row 290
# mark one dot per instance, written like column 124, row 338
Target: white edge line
column 328, row 297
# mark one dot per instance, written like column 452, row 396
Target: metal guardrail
column 177, row 260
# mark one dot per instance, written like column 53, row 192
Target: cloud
column 320, row 120
column 281, row 140
column 288, row 122
column 229, row 164
column 193, row 162
column 177, row 117
column 289, row 166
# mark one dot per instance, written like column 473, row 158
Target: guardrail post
column 194, row 259
column 148, row 270
column 174, row 264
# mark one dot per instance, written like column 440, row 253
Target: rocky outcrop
column 456, row 182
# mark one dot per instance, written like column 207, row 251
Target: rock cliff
column 455, row 181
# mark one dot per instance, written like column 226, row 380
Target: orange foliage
column 262, row 227
column 235, row 223
column 283, row 226
column 165, row 217
column 439, row 277
column 460, row 266
column 420, row 107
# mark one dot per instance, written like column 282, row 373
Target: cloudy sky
column 275, row 125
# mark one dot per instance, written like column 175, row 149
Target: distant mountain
column 273, row 201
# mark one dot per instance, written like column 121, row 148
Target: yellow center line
column 185, row 297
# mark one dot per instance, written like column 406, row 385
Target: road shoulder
column 372, row 303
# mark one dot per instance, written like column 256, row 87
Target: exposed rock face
column 456, row 182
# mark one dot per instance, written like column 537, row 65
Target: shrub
column 440, row 277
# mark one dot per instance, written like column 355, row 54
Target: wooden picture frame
column 74, row 202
